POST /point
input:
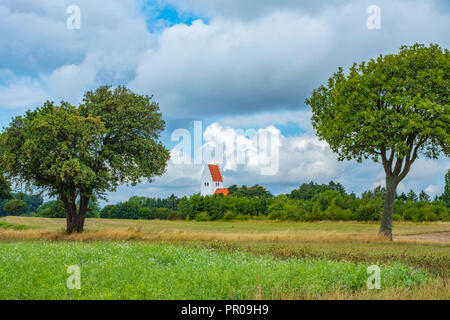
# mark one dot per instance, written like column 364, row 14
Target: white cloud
column 434, row 190
column 253, row 62
column 234, row 66
column 247, row 9
column 300, row 118
column 19, row 92
column 57, row 63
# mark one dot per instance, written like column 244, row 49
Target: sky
column 226, row 73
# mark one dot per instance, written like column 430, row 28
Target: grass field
column 123, row 259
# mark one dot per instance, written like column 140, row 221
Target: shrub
column 368, row 212
column 429, row 215
column 413, row 214
column 203, row 216
column 229, row 215
column 109, row 212
column 242, row 217
column 52, row 209
column 15, row 207
column 146, row 213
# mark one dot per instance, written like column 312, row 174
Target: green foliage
column 15, row 207
column 143, row 271
column 7, row 225
column 52, row 209
column 368, row 212
column 307, row 191
column 391, row 103
column 80, row 153
column 33, row 202
column 203, row 216
column 5, row 188
column 327, row 204
column 249, row 192
column 229, row 215
column 390, row 109
column 133, row 210
column 445, row 197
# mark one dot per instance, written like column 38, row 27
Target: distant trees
column 390, row 109
column 307, row 191
column 309, row 202
column 445, row 197
column 52, row 209
column 81, row 153
column 20, row 204
column 15, row 207
column 249, row 192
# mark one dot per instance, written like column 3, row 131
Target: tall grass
column 129, row 270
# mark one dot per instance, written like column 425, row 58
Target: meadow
column 134, row 259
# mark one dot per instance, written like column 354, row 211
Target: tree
column 445, row 197
column 423, row 196
column 81, row 153
column 402, row 197
column 412, row 196
column 5, row 188
column 15, row 207
column 389, row 110
column 52, row 209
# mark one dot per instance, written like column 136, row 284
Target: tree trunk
column 388, row 209
column 72, row 217
column 84, row 205
column 69, row 228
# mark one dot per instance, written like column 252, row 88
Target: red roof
column 223, row 191
column 215, row 172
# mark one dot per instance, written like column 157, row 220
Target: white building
column 212, row 181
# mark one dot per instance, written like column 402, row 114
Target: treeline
column 309, row 202
column 32, row 205
column 18, row 204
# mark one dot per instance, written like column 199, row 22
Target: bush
column 203, row 216
column 368, row 212
column 229, row 215
column 15, row 207
column 413, row 214
column 109, row 212
column 429, row 215
column 52, row 209
column 242, row 217
column 146, row 213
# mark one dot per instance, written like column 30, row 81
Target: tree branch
column 411, row 158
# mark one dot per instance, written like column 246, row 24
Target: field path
column 441, row 237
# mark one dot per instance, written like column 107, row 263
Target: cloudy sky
column 241, row 68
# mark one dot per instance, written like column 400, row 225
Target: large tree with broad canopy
column 391, row 110
column 78, row 153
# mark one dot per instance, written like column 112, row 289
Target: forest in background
column 310, row 202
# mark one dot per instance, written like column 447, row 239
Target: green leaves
column 389, row 109
column 5, row 188
column 110, row 139
column 130, row 149
column 398, row 103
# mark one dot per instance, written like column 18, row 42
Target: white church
column 212, row 181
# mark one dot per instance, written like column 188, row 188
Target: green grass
column 137, row 259
column 7, row 225
column 126, row 270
